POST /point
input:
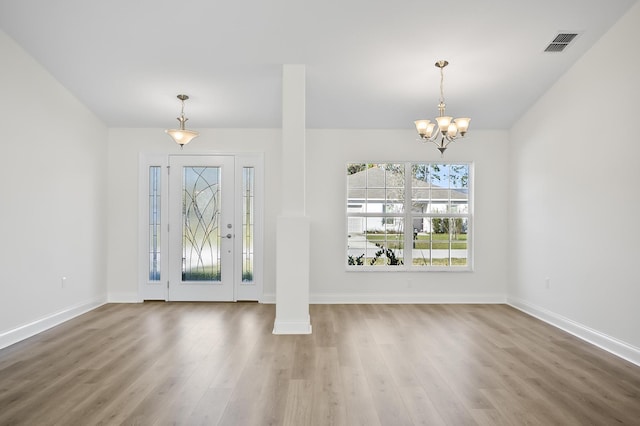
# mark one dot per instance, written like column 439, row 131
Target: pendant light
column 182, row 136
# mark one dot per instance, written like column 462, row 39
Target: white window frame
column 408, row 217
column 147, row 289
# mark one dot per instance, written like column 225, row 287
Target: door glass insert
column 248, row 196
column 154, row 222
column 201, row 207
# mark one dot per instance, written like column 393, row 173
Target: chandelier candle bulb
column 443, row 122
column 422, row 126
column 452, row 130
column 463, row 124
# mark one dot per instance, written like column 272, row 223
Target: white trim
column 146, row 289
column 124, row 297
column 292, row 327
column 601, row 340
column 397, row 298
column 180, row 289
column 408, row 216
column 268, row 298
column 158, row 290
column 253, row 290
column 405, row 298
column 25, row 331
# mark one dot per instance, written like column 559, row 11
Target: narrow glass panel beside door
column 201, row 207
column 248, row 196
column 154, row 222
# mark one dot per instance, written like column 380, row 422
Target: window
column 409, row 216
column 248, row 228
column 154, row 222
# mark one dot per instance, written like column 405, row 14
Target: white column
column 292, row 228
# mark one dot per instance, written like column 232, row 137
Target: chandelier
column 448, row 128
column 182, row 136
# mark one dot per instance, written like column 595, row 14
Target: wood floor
column 219, row 364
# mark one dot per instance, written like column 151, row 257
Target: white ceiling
column 369, row 63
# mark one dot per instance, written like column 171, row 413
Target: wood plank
column 219, row 364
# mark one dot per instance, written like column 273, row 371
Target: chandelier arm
column 441, row 144
column 439, row 134
column 438, row 140
column 433, row 138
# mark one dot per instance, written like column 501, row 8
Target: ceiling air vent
column 561, row 41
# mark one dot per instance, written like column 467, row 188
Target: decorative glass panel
column 154, row 222
column 201, row 224
column 248, row 196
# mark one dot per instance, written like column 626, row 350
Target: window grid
column 423, row 224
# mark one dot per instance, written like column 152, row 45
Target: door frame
column 159, row 290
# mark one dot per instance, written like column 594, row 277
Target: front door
column 202, row 228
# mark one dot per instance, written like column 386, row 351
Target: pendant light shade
column 182, row 136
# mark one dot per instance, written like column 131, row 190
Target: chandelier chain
column 441, row 86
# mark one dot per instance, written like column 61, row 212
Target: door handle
column 229, row 236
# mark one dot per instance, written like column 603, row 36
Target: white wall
column 328, row 152
column 52, row 195
column 575, row 201
column 125, row 145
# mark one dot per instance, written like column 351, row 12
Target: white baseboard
column 292, row 327
column 398, row 298
column 405, row 298
column 601, row 340
column 17, row 334
column 124, row 298
column 268, row 298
